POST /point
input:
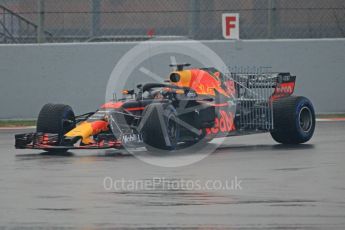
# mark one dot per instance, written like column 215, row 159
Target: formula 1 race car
column 193, row 105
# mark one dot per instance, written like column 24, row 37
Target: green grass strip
column 17, row 123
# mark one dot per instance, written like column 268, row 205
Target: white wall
column 77, row 74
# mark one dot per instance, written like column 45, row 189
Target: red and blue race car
column 194, row 105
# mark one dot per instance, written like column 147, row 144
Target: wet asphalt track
column 282, row 187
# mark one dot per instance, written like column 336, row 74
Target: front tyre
column 56, row 118
column 159, row 127
column 294, row 120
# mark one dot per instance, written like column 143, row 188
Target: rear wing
column 285, row 86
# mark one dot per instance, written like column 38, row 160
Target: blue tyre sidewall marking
column 300, row 105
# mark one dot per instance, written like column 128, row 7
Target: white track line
column 330, row 119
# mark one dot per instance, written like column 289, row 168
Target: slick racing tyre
column 159, row 127
column 56, row 118
column 294, row 120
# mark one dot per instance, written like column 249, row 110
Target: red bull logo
column 222, row 124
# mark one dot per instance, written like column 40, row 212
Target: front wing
column 50, row 141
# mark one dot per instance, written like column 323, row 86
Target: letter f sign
column 230, row 24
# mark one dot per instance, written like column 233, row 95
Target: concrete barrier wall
column 77, row 74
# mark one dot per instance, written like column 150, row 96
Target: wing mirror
column 128, row 92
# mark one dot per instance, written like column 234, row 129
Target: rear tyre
column 56, row 118
column 294, row 120
column 159, row 127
